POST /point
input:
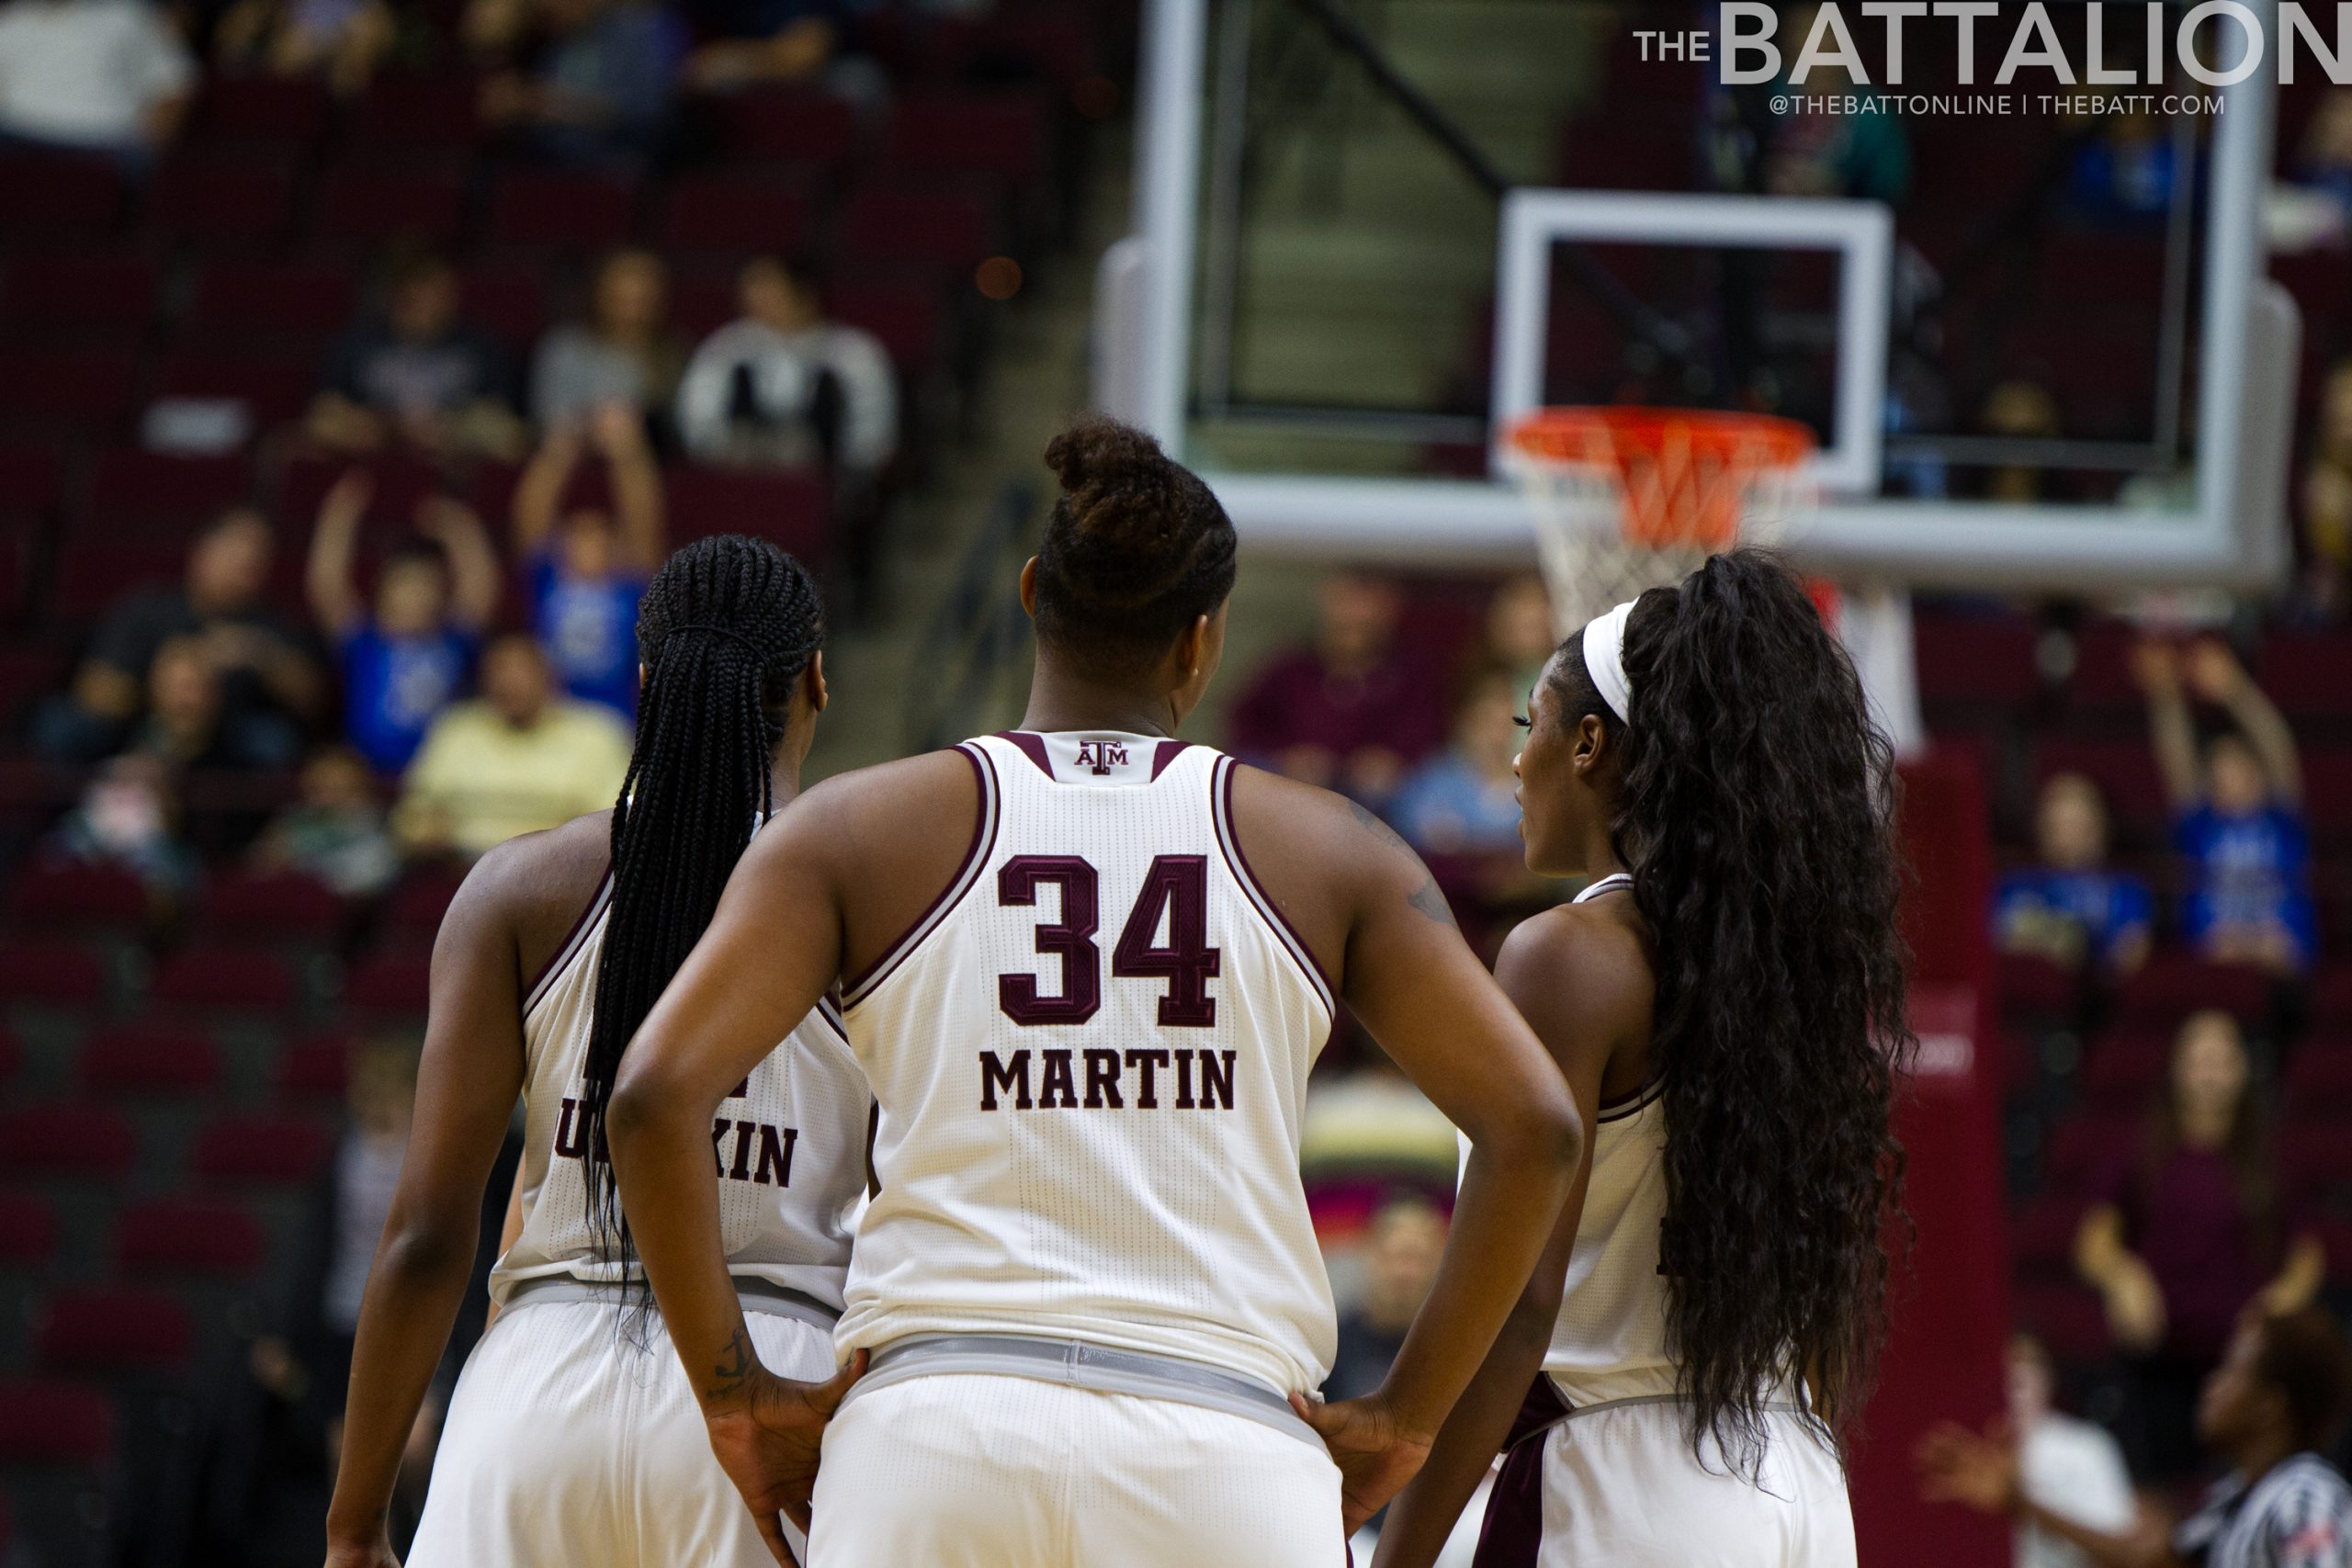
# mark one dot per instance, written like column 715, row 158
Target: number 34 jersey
column 1091, row 1056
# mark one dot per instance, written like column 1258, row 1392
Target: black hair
column 1755, row 811
column 1135, row 549
column 2303, row 1357
column 726, row 629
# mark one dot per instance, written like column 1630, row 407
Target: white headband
column 1604, row 658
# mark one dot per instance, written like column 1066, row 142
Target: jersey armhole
column 1228, row 840
column 570, row 947
column 976, row 856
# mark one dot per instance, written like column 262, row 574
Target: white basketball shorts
column 973, row 1470
column 1623, row 1487
column 574, row 1441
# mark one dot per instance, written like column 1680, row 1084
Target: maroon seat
column 149, row 1057
column 390, row 982
column 188, row 1235
column 2123, row 1071
column 2068, row 1318
column 281, row 111
column 703, row 297
column 2103, row 676
column 510, row 302
column 277, row 904
column 416, row 905
column 267, row 1150
column 52, row 387
column 28, row 1230
column 2173, row 984
column 1976, row 659
column 92, row 573
column 1001, row 134
column 2033, row 986
column 55, row 898
column 789, row 508
column 61, row 974
column 2332, row 997
column 560, row 210
column 419, row 110
column 2042, row 1235
column 224, row 203
column 2315, row 1155
column 375, row 206
column 107, row 1329
column 273, row 390
column 2319, row 1076
column 786, row 126
column 2327, row 792
column 129, row 485
column 308, row 300
column 49, row 1421
column 2303, row 671
column 2335, row 1235
column 2125, row 771
column 944, row 228
column 904, row 315
column 31, row 478
column 27, row 671
column 315, row 1069
column 735, row 214
column 44, row 196
column 2085, row 1146
column 101, row 291
column 225, row 976
column 85, row 1141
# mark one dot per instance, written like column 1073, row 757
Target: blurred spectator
column 1818, row 152
column 2327, row 590
column 1354, row 711
column 2187, row 1231
column 600, row 93
column 2124, row 173
column 92, row 75
column 2070, row 1467
column 2238, row 812
column 2311, row 205
column 1401, row 1249
column 587, row 566
column 2018, row 409
column 265, row 675
column 516, row 760
column 129, row 818
column 189, row 724
column 756, row 43
column 624, row 352
column 784, row 385
column 416, row 374
column 2274, row 1405
column 2069, row 907
column 403, row 662
column 339, row 42
column 336, row 832
column 1519, row 634
column 1465, row 800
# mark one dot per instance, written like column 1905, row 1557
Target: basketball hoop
column 1625, row 499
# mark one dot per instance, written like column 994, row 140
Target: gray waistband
column 1081, row 1365
column 759, row 1295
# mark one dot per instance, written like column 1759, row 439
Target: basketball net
column 1628, row 498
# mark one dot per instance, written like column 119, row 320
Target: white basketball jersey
column 1092, row 1057
column 789, row 1142
column 1610, row 1340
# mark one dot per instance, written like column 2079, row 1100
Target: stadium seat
column 103, row 1330
column 945, row 229
column 45, row 197
column 151, row 491
column 734, row 215
column 904, row 315
column 789, row 508
column 2315, row 1158
column 373, row 207
column 51, row 973
column 56, row 296
column 510, row 302
column 286, row 904
column 28, row 1230
column 239, row 204
column 2125, row 771
column 999, row 134
column 226, row 976
column 51, row 1421
column 278, row 112
column 1976, row 659
column 786, row 126
column 2032, row 986
column 416, row 905
column 2319, row 1078
column 188, row 1235
column 411, row 110
column 31, row 480
column 393, row 983
column 2042, row 1235
column 69, row 897
column 82, row 1142
column 305, row 301
column 560, row 210
column 2173, row 984
column 92, row 573
column 261, row 1149
column 53, row 388
column 315, row 1069
column 148, row 1058
column 272, row 391
column 2084, row 1145
column 2066, row 1318
column 2332, row 997
column 2123, row 1072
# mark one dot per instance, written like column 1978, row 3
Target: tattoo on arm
column 1427, row 900
column 733, row 1373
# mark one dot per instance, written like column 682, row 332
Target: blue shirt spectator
column 589, row 564
column 1465, row 800
column 589, row 627
column 2070, row 907
column 2249, row 874
column 394, row 686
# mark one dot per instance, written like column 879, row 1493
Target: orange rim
column 1683, row 474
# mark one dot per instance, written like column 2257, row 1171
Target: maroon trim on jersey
column 1512, row 1533
column 570, row 946
column 1033, row 747
column 1228, row 843
column 1625, row 1105
column 975, row 856
column 829, row 1007
column 1165, row 753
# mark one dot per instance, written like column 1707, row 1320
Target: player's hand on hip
column 1376, row 1455
column 767, row 1439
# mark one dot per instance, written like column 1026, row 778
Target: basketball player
column 1090, row 967
column 1723, row 997
column 571, row 1439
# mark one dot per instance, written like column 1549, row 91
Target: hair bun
column 1104, row 467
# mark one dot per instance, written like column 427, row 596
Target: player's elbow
column 642, row 1094
column 1539, row 1131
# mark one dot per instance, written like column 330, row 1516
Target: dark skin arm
column 512, row 911
column 1578, row 974
column 1415, row 984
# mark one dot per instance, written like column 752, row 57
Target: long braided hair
column 725, row 631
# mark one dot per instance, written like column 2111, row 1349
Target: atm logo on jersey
column 1099, row 757
column 1187, row 1079
column 759, row 1153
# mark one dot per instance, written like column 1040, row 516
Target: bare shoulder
column 1582, row 961
column 532, row 888
column 890, row 796
column 887, row 839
